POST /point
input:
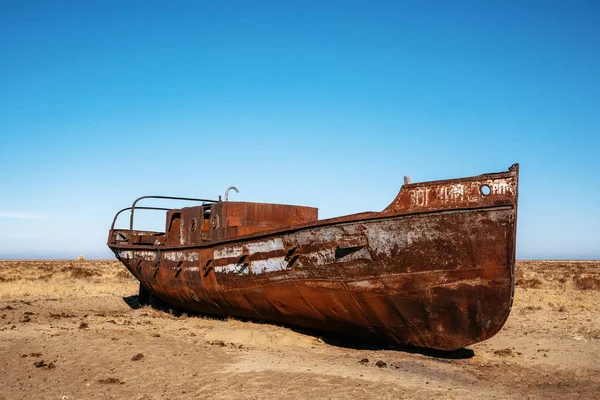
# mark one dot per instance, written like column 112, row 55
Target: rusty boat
column 434, row 269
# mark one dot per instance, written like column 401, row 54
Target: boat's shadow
column 355, row 343
column 337, row 340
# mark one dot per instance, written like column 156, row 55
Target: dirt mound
column 252, row 335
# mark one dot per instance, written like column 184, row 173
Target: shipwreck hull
column 435, row 269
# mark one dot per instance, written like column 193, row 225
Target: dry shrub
column 587, row 283
column 47, row 268
column 43, row 277
column 123, row 274
column 82, row 273
column 533, row 283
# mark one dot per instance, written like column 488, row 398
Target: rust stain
column 434, row 269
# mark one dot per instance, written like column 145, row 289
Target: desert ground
column 73, row 330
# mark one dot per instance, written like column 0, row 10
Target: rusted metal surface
column 434, row 269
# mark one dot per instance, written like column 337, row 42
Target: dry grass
column 63, row 279
column 572, row 275
column 57, row 288
column 568, row 288
column 587, row 282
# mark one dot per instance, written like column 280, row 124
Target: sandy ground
column 71, row 330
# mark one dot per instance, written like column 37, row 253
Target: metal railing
column 133, row 208
column 112, row 227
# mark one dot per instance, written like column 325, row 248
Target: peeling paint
column 142, row 255
column 249, row 249
column 180, row 256
column 256, row 267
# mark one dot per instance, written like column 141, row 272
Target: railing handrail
column 112, row 227
column 157, row 197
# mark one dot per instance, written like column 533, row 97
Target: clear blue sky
column 319, row 103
